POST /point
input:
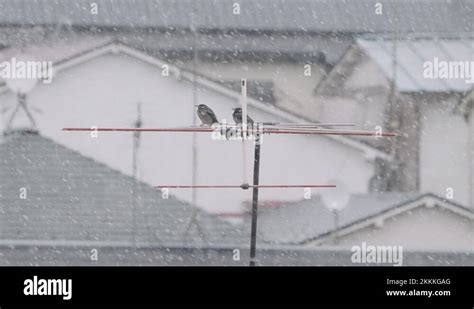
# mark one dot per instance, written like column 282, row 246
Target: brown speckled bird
column 206, row 115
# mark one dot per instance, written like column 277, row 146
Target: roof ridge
column 396, row 206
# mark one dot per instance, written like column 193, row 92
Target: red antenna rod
column 308, row 125
column 183, row 129
column 328, row 132
column 243, row 186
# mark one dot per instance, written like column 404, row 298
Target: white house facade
column 101, row 86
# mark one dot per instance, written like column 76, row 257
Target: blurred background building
column 119, row 62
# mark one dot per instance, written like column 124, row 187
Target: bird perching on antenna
column 237, row 116
column 207, row 115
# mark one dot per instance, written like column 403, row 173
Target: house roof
column 353, row 16
column 72, row 199
column 412, row 54
column 296, row 223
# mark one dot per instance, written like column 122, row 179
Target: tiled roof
column 74, row 199
column 355, row 16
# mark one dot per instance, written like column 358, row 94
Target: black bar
column 256, row 175
column 217, row 285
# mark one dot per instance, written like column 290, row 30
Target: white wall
column 444, row 151
column 293, row 89
column 361, row 100
column 104, row 92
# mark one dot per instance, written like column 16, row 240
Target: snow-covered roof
column 411, row 56
column 309, row 220
column 73, row 200
column 353, row 16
